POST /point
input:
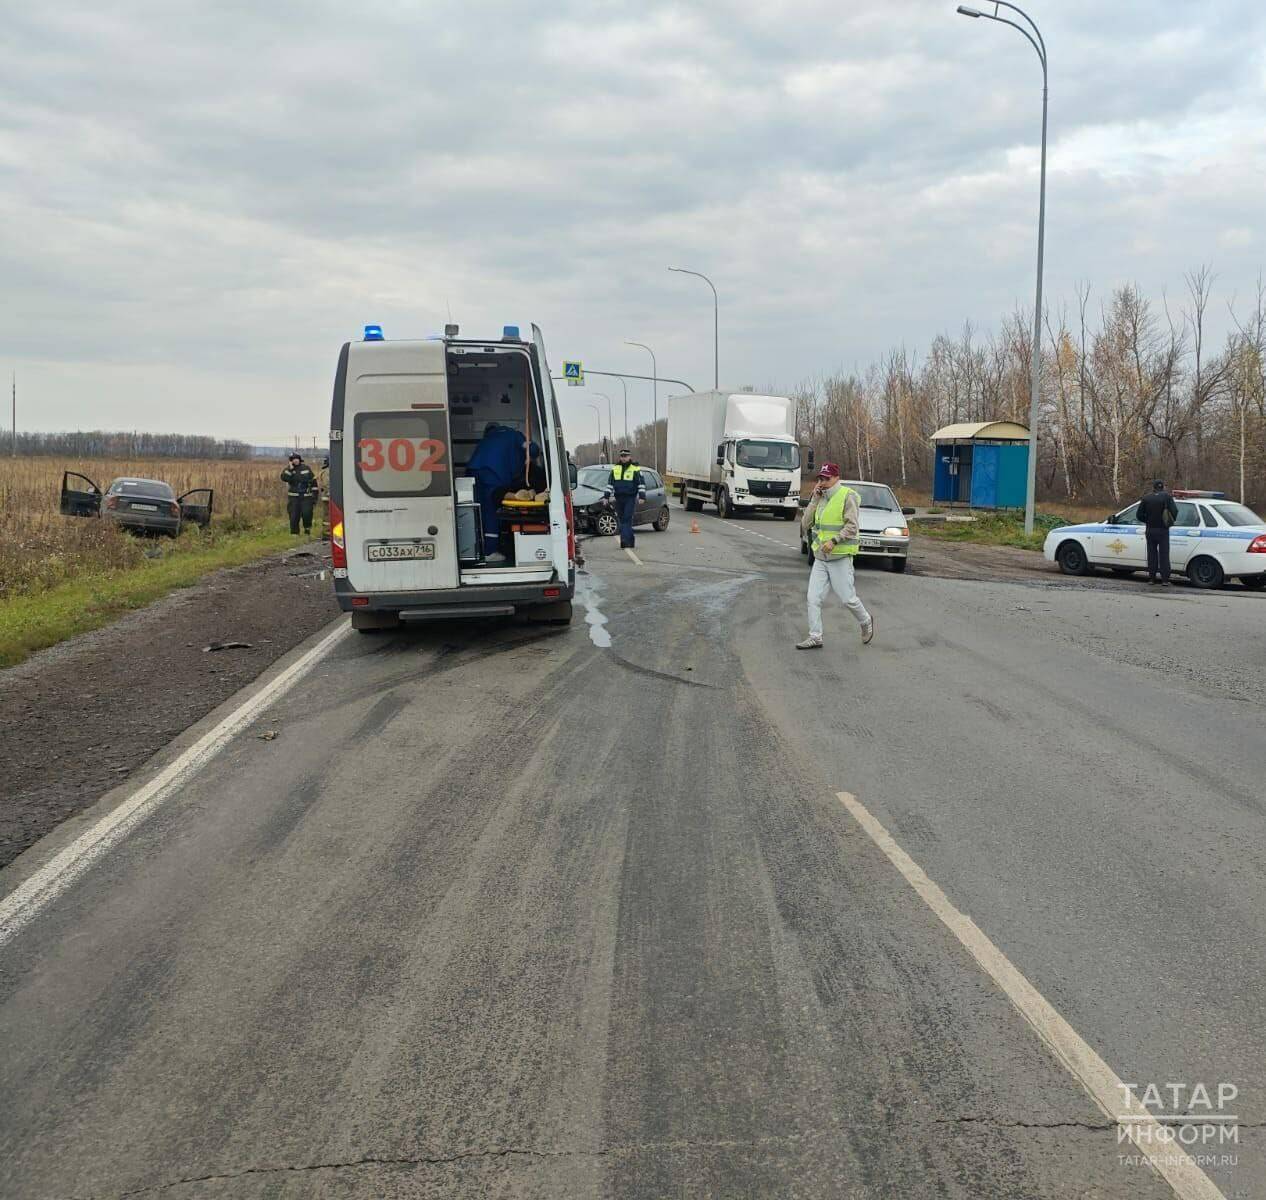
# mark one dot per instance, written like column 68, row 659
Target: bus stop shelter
column 982, row 464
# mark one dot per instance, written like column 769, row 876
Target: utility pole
column 13, row 450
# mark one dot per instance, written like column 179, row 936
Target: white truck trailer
column 736, row 450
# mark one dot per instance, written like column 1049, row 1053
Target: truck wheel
column 789, row 514
column 694, row 504
column 724, row 509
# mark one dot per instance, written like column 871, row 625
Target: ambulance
column 406, row 525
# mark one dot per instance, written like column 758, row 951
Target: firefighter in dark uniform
column 625, row 484
column 301, row 494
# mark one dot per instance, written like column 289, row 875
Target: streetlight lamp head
column 970, row 12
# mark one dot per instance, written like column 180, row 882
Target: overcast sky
column 201, row 201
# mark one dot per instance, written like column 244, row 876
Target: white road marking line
column 634, row 557
column 25, row 902
column 1102, row 1084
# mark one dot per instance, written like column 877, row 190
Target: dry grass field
column 40, row 549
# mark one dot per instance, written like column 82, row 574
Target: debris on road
column 226, row 646
column 269, row 735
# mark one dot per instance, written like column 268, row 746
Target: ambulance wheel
column 375, row 622
column 607, row 524
column 898, row 565
column 551, row 614
column 1205, row 572
column 1072, row 559
column 661, row 522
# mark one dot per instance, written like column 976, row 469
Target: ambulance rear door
column 397, row 468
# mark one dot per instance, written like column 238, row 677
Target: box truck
column 736, row 450
column 410, row 532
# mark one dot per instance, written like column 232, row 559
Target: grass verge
column 32, row 622
column 993, row 529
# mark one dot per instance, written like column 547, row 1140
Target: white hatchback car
column 1212, row 540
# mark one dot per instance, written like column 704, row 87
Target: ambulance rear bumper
column 484, row 600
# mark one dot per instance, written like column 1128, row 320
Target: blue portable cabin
column 982, row 464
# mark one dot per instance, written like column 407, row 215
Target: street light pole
column 610, row 426
column 1035, row 374
column 598, row 413
column 654, row 402
column 625, row 386
column 716, row 324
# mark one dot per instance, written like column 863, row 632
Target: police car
column 1212, row 540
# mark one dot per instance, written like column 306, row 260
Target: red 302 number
column 401, row 455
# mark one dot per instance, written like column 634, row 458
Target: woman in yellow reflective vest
column 830, row 523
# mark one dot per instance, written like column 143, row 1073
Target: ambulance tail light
column 571, row 528
column 1258, row 544
column 338, row 539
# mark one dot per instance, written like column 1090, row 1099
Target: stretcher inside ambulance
column 448, row 482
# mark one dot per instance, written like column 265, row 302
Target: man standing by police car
column 831, row 525
column 625, row 483
column 1158, row 512
column 301, row 494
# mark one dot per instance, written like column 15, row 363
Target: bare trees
column 1136, row 391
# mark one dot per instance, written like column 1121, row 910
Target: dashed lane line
column 1104, row 1086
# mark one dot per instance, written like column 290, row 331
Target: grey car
column 595, row 514
column 144, row 505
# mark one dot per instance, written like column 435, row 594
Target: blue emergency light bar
column 373, row 333
column 510, row 333
column 1193, row 494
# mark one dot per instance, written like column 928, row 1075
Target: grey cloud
column 236, row 187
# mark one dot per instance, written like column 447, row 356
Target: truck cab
column 759, row 474
column 415, row 535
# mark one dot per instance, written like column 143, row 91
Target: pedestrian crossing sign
column 574, row 373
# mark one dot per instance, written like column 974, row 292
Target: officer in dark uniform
column 625, row 484
column 1158, row 512
column 301, row 495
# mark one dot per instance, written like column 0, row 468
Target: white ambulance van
column 406, row 531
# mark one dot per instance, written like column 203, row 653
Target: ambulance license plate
column 398, row 551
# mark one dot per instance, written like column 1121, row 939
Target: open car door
column 80, row 496
column 195, row 506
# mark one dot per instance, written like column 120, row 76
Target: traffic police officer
column 832, row 521
column 625, row 483
column 301, row 496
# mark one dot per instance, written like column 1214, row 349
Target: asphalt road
column 512, row 911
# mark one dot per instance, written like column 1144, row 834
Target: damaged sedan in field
column 141, row 505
